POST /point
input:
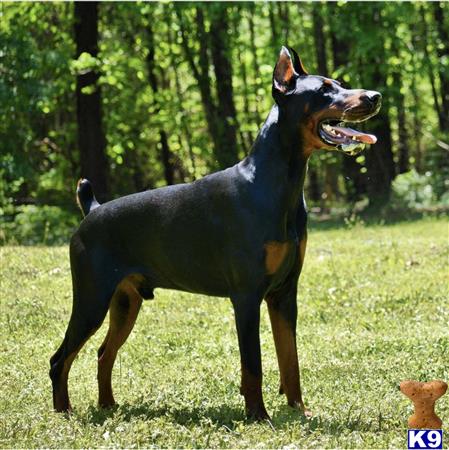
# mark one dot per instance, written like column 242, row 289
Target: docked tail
column 85, row 196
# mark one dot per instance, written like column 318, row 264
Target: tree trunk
column 201, row 72
column 247, row 137
column 227, row 151
column 320, row 39
column 379, row 157
column 275, row 38
column 330, row 167
column 403, row 141
column 429, row 66
column 443, row 72
column 204, row 79
column 379, row 160
column 355, row 180
column 403, row 135
column 252, row 39
column 171, row 37
column 283, row 13
column 221, row 119
column 167, row 157
column 91, row 138
column 417, row 131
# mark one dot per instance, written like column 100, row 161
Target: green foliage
column 85, row 63
column 40, row 225
column 437, row 162
column 413, row 191
column 39, row 160
column 9, row 185
column 373, row 310
column 36, row 91
column 420, row 192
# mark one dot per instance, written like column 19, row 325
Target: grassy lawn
column 373, row 310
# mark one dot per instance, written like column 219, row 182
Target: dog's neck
column 278, row 163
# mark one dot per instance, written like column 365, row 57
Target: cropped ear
column 297, row 63
column 284, row 74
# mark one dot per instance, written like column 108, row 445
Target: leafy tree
column 139, row 95
column 91, row 138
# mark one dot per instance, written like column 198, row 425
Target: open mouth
column 351, row 141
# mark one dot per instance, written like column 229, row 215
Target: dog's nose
column 372, row 97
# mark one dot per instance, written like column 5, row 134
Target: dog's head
column 320, row 106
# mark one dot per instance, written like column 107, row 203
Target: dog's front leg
column 283, row 312
column 247, row 317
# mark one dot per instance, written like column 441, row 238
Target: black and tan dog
column 239, row 233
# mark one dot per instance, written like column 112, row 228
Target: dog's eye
column 326, row 87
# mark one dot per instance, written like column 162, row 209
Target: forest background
column 139, row 95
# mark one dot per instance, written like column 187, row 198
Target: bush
column 437, row 162
column 412, row 190
column 33, row 224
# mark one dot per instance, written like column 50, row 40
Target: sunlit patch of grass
column 373, row 310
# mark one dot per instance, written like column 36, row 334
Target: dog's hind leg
column 83, row 323
column 123, row 311
column 92, row 291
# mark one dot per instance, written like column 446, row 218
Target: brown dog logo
column 424, row 396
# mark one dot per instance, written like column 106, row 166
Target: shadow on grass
column 228, row 417
column 220, row 415
column 353, row 422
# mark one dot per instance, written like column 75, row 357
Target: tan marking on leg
column 287, row 355
column 275, row 253
column 61, row 394
column 61, row 400
column 285, row 343
column 123, row 311
column 103, row 345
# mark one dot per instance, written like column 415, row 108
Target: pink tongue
column 358, row 135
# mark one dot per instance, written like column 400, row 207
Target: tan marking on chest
column 275, row 253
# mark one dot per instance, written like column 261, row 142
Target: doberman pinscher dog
column 238, row 233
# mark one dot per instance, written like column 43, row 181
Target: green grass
column 373, row 310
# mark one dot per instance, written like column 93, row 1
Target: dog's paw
column 258, row 413
column 302, row 409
